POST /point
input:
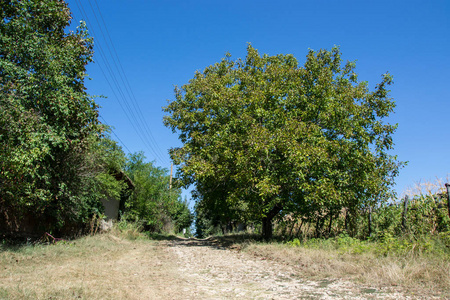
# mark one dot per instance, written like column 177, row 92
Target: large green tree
column 47, row 120
column 271, row 137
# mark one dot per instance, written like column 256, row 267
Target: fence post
column 448, row 197
column 405, row 210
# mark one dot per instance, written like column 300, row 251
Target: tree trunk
column 331, row 224
column 267, row 222
column 299, row 228
column 319, row 226
column 267, row 228
column 346, row 220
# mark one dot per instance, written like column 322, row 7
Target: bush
column 128, row 230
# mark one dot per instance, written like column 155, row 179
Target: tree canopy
column 57, row 162
column 47, row 120
column 152, row 201
column 266, row 137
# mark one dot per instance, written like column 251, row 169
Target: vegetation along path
column 109, row 267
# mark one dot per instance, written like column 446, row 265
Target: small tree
column 282, row 138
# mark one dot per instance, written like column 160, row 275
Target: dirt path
column 210, row 271
column 107, row 267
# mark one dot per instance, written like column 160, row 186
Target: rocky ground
column 208, row 270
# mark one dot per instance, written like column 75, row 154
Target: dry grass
column 105, row 266
column 126, row 265
column 427, row 187
column 420, row 275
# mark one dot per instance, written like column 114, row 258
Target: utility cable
column 113, row 132
column 132, row 111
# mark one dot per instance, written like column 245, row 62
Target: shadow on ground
column 218, row 242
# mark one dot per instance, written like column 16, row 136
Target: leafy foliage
column 423, row 231
column 105, row 160
column 152, row 202
column 265, row 137
column 47, row 121
column 384, row 245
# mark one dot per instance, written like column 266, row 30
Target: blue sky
column 161, row 44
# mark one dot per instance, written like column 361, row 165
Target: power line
column 132, row 111
column 139, row 111
column 113, row 132
column 127, row 110
column 116, row 61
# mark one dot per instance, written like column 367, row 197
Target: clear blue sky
column 162, row 43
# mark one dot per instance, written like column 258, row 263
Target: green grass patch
column 384, row 244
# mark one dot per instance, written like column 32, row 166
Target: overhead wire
column 132, row 111
column 130, row 114
column 126, row 83
column 113, row 132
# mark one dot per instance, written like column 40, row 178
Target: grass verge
column 421, row 267
column 103, row 266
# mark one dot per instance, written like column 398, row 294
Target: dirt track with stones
column 108, row 267
column 210, row 271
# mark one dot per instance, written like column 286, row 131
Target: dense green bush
column 47, row 120
column 152, row 201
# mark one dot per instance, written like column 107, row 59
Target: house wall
column 111, row 208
